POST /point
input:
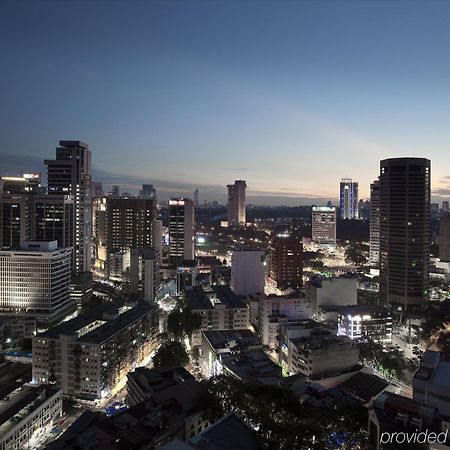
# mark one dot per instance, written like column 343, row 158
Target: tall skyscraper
column 115, row 193
column 374, row 255
column 181, row 230
column 70, row 174
column 445, row 206
column 236, row 203
column 324, row 225
column 405, row 232
column 348, row 199
column 286, row 261
column 128, row 224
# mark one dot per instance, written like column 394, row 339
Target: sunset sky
column 290, row 96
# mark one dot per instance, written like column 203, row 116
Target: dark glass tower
column 405, row 232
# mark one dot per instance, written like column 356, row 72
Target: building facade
column 236, row 203
column 324, row 225
column 248, row 271
column 70, row 174
column 405, row 232
column 181, row 230
column 348, row 199
column 286, row 261
column 145, row 275
column 444, row 238
column 365, row 322
column 88, row 355
column 34, row 281
column 374, row 249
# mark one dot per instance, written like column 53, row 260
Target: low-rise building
column 431, row 383
column 88, row 355
column 219, row 307
column 142, row 383
column 365, row 321
column 237, row 353
column 274, row 309
column 27, row 413
column 338, row 291
column 393, row 417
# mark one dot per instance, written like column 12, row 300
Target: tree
column 171, row 354
column 183, row 322
column 281, row 421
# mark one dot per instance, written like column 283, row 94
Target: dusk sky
column 290, row 96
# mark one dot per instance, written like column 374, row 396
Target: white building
column 248, row 271
column 339, row 291
column 324, row 225
column 275, row 309
column 34, row 281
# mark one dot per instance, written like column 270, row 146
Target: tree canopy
column 171, row 354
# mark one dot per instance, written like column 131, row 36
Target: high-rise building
column 445, row 206
column 128, row 223
column 324, row 225
column 374, row 255
column 181, row 230
column 348, row 199
column 444, row 238
column 248, row 271
column 405, row 232
column 14, row 219
column 34, row 281
column 145, row 276
column 236, row 203
column 286, row 261
column 70, row 174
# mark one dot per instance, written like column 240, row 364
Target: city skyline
column 291, row 97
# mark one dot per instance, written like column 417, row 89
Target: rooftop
column 98, row 325
column 199, row 298
column 221, row 338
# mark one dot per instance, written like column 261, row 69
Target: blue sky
column 290, row 96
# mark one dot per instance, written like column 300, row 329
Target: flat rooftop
column 105, row 322
column 199, row 298
column 219, row 338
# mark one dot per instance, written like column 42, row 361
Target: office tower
column 34, row 281
column 147, row 191
column 445, row 206
column 374, row 257
column 324, row 225
column 145, row 277
column 157, row 238
column 96, row 189
column 89, row 355
column 348, row 199
column 70, row 174
column 236, row 203
column 14, row 219
column 181, row 230
column 248, row 271
column 128, row 223
column 405, row 232
column 286, row 261
column 52, row 219
column 444, row 238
